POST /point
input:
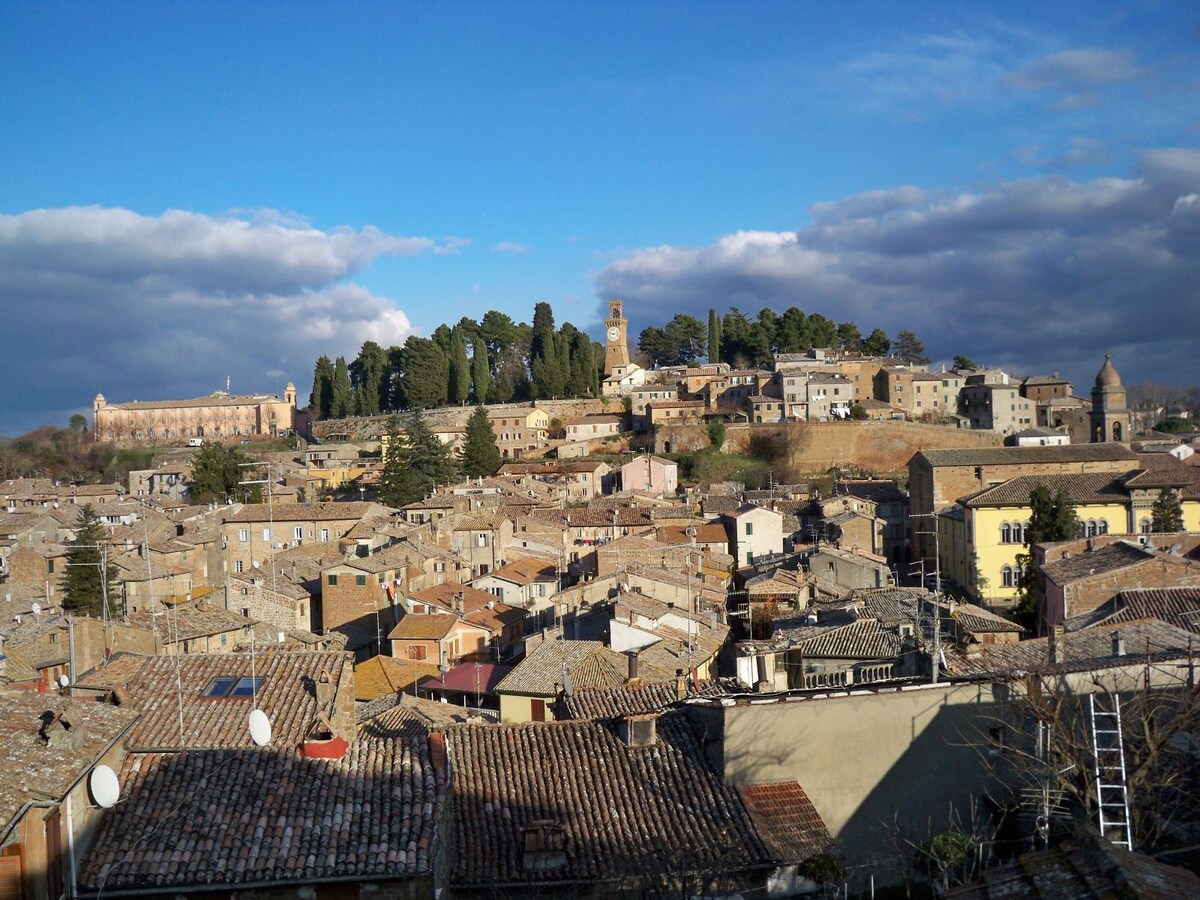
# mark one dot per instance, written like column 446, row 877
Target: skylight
column 232, row 686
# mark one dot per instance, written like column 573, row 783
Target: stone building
column 217, row 417
column 1110, row 415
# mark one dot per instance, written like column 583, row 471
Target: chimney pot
column 1118, row 644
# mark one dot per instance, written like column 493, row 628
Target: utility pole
column 937, row 588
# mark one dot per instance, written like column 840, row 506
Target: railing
column 862, row 674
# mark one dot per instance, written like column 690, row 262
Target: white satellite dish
column 105, row 788
column 37, row 608
column 63, row 681
column 260, row 728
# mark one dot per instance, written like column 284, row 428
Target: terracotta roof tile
column 786, row 820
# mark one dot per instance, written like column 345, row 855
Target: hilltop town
column 779, row 619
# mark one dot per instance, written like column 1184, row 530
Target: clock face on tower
column 614, row 333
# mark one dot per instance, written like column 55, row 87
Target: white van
column 195, row 442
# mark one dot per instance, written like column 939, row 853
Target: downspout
column 71, row 890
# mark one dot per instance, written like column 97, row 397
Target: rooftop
column 1000, row 456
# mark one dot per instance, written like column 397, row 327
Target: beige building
column 216, row 418
column 518, row 432
column 997, row 407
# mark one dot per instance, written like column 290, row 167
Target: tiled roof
column 864, row 639
column 526, row 571
column 589, row 663
column 236, row 817
column 639, row 699
column 978, row 620
column 303, row 512
column 487, row 522
column 423, row 627
column 469, row 678
column 408, row 716
column 1093, row 487
column 1086, row 867
column 33, row 770
column 1079, row 651
column 995, row 456
column 624, row 811
column 447, row 594
column 382, row 675
column 786, row 820
column 1096, row 562
column 1176, row 606
column 287, row 696
column 186, row 623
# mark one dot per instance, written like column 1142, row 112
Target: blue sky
column 189, row 191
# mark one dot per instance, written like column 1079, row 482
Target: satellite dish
column 63, row 681
column 105, row 788
column 260, row 728
column 37, row 608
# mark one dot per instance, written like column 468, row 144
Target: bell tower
column 616, row 347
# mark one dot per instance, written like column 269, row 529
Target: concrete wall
column 867, row 760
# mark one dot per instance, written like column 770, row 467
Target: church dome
column 1107, row 376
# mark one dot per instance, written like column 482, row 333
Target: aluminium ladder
column 1112, row 794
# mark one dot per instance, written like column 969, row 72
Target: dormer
column 639, row 730
column 544, row 846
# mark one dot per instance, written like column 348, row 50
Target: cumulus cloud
column 1038, row 274
column 141, row 307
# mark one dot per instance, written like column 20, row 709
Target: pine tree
column 459, row 387
column 1052, row 518
column 909, row 348
column 322, row 392
column 88, row 581
column 216, row 473
column 480, row 456
column 1166, row 516
column 547, row 373
column 422, row 374
column 432, row 461
column 877, row 343
column 481, row 373
column 341, row 402
column 714, row 336
column 398, row 483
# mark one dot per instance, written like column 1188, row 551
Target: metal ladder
column 1112, row 795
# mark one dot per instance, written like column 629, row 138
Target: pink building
column 650, row 475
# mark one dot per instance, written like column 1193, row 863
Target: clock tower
column 616, row 347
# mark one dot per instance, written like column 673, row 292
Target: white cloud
column 107, row 300
column 1042, row 273
column 510, row 247
column 1071, row 70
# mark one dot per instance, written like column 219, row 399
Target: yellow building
column 981, row 536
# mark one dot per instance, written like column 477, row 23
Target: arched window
column 1082, row 528
column 1091, row 528
column 1024, row 532
column 1006, row 533
column 1006, row 576
column 1102, row 526
column 1144, row 526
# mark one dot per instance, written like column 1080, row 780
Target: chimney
column 632, row 656
column 1054, row 639
column 763, row 684
column 1118, row 644
column 680, row 684
column 325, row 687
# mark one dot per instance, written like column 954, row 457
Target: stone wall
column 882, row 447
column 364, row 428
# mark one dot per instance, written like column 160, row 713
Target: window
column 298, row 532
column 416, row 651
column 749, row 558
column 219, row 687
column 266, row 535
column 237, row 566
column 332, row 581
column 324, row 534
column 481, row 540
column 360, row 580
column 50, row 566
column 749, row 529
column 1006, row 577
column 243, row 534
column 1006, row 533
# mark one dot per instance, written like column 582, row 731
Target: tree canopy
column 90, row 578
column 1052, row 518
column 216, row 473
column 1166, row 515
column 480, row 456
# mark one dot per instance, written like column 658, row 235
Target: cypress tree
column 369, row 379
column 87, row 581
column 481, row 373
column 1052, row 518
column 714, row 336
column 459, row 388
column 480, row 456
column 341, row 402
column 322, row 392
column 546, row 370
